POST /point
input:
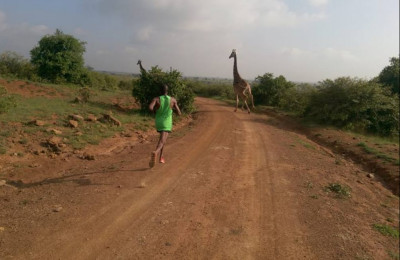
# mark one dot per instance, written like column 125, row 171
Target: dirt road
column 235, row 186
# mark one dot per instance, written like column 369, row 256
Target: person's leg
column 159, row 148
column 161, row 142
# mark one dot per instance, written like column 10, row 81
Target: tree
column 59, row 58
column 355, row 104
column 389, row 76
column 148, row 86
column 14, row 64
column 269, row 90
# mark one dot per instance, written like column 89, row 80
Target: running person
column 163, row 106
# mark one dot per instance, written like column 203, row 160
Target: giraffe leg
column 251, row 97
column 245, row 102
column 252, row 100
column 237, row 102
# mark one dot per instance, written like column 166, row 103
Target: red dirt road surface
column 234, row 186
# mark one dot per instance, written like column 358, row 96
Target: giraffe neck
column 141, row 68
column 236, row 75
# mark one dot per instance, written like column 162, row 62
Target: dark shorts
column 160, row 131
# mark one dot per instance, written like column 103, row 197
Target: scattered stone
column 91, row 118
column 109, row 118
column 54, row 131
column 57, row 209
column 54, row 141
column 2, row 183
column 73, row 123
column 163, row 222
column 370, row 175
column 78, row 133
column 142, row 184
column 38, row 122
column 2, row 229
column 34, row 165
column 119, row 186
column 76, row 117
column 86, row 156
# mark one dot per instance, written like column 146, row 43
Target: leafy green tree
column 389, row 76
column 59, row 58
column 296, row 99
column 269, row 90
column 148, row 86
column 16, row 65
column 355, row 104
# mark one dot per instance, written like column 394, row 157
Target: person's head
column 164, row 89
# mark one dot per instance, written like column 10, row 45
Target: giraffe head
column 233, row 54
column 139, row 62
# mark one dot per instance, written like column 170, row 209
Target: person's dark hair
column 164, row 89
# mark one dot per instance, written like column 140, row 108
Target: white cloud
column 144, row 33
column 295, row 52
column 339, row 54
column 20, row 37
column 318, row 2
column 205, row 15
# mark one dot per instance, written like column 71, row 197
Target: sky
column 303, row 40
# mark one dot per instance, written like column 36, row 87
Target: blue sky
column 303, row 40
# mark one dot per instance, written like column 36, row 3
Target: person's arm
column 153, row 104
column 176, row 107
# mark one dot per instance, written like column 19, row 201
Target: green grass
column 305, row 144
column 377, row 153
column 341, row 191
column 3, row 149
column 54, row 111
column 387, row 230
column 392, row 255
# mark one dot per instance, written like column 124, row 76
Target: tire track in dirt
column 234, row 187
column 112, row 219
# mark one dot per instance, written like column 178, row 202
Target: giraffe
column 240, row 86
column 142, row 70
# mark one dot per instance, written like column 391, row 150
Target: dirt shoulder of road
column 379, row 158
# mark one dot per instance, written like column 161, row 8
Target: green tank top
column 164, row 114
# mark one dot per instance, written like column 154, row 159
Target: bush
column 59, row 58
column 389, row 76
column 126, row 84
column 15, row 65
column 269, row 90
column 6, row 101
column 355, row 104
column 100, row 81
column 296, row 99
column 211, row 89
column 148, row 87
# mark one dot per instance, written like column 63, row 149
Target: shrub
column 296, row 99
column 100, row 81
column 211, row 89
column 84, row 94
column 6, row 101
column 355, row 104
column 59, row 58
column 15, row 65
column 269, row 90
column 126, row 84
column 148, row 86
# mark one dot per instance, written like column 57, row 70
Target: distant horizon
column 303, row 40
